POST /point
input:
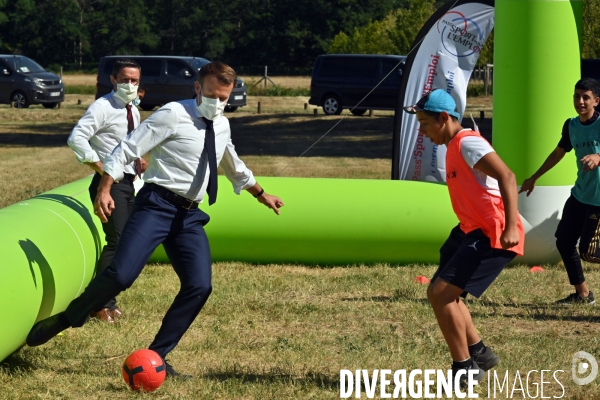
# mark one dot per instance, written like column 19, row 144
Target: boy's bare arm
column 549, row 163
column 492, row 165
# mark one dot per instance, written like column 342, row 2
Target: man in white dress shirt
column 186, row 141
column 103, row 126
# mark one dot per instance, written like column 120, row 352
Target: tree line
column 286, row 35
column 395, row 33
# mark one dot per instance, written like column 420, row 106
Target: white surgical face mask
column 211, row 108
column 126, row 92
column 136, row 102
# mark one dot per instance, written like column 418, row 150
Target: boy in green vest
column 581, row 214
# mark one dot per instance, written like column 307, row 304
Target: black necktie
column 209, row 145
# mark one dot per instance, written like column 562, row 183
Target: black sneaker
column 576, row 298
column 486, row 360
column 464, row 379
column 171, row 373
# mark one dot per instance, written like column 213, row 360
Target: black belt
column 172, row 197
column 126, row 177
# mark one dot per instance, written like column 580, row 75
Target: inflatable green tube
column 50, row 243
column 331, row 221
column 49, row 247
column 536, row 66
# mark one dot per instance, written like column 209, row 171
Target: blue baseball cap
column 437, row 100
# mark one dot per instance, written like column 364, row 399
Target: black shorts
column 469, row 262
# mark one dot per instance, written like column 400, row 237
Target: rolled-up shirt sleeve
column 235, row 170
column 86, row 128
column 153, row 131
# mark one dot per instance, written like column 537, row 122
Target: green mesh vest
column 586, row 140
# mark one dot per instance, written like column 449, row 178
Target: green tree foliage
column 395, row 33
column 283, row 34
column 286, row 35
column 591, row 29
column 48, row 38
column 392, row 35
column 119, row 27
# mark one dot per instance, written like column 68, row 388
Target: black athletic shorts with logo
column 469, row 262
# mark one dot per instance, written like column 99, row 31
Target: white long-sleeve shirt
column 174, row 136
column 101, row 129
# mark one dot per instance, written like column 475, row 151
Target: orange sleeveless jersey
column 474, row 206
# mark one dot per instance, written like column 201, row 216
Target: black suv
column 167, row 78
column 24, row 82
column 342, row 80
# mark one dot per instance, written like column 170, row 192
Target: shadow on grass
column 16, row 363
column 33, row 139
column 319, row 380
column 539, row 317
column 291, row 134
column 384, row 299
column 410, row 294
column 539, row 312
column 268, row 134
column 47, row 134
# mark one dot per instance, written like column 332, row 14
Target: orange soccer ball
column 145, row 370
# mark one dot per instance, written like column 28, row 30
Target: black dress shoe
column 171, row 373
column 46, row 329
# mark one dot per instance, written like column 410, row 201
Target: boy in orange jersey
column 483, row 193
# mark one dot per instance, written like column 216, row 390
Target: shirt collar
column 195, row 109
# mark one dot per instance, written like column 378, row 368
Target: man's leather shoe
column 116, row 313
column 46, row 329
column 171, row 373
column 103, row 315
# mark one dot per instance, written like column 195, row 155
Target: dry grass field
column 285, row 331
column 79, row 79
column 285, row 81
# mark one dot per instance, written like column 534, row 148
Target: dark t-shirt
column 565, row 140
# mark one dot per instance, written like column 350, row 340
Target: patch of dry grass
column 284, row 81
column 283, row 331
column 79, row 79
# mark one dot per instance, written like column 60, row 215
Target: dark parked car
column 167, row 78
column 342, row 80
column 24, row 82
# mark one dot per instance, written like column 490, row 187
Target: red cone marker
column 421, row 279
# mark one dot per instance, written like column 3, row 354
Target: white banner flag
column 444, row 59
